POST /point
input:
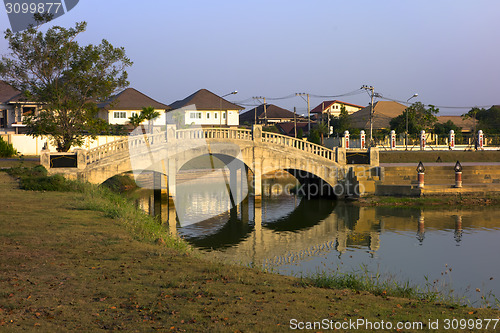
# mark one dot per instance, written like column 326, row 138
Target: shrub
column 6, row 149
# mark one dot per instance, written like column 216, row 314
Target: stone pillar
column 340, row 155
column 422, row 140
column 374, row 156
column 81, row 158
column 451, row 143
column 45, row 158
column 393, row 139
column 171, row 173
column 362, row 138
column 480, row 140
column 170, row 132
column 257, row 133
column 346, row 138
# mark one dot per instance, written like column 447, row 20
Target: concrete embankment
column 439, row 179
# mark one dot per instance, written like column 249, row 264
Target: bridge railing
column 111, row 148
column 214, row 133
column 306, row 146
column 136, row 141
column 118, row 146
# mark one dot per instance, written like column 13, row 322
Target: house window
column 223, row 115
column 215, row 115
column 28, row 111
column 119, row 114
column 208, row 115
column 133, row 113
column 195, row 115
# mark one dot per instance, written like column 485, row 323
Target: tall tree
column 419, row 118
column 65, row 79
column 486, row 120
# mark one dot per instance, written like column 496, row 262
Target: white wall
column 160, row 121
column 27, row 145
column 208, row 117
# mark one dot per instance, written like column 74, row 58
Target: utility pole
column 295, row 121
column 308, row 110
column 265, row 107
column 371, row 110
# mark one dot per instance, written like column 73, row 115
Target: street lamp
column 406, row 134
column 220, row 106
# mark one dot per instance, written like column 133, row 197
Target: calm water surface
column 449, row 248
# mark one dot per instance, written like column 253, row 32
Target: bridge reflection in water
column 297, row 236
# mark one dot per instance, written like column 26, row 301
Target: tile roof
column 383, row 112
column 7, row 92
column 204, row 99
column 465, row 124
column 131, row 99
column 326, row 104
column 272, row 111
column 288, row 128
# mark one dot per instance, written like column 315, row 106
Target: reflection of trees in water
column 307, row 214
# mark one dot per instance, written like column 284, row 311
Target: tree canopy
column 65, row 79
column 419, row 118
column 488, row 120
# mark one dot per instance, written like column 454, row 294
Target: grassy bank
column 87, row 260
column 433, row 156
column 479, row 200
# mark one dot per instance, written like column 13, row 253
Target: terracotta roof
column 7, row 92
column 272, row 111
column 326, row 104
column 465, row 124
column 204, row 99
column 383, row 112
column 131, row 99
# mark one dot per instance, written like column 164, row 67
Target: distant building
column 206, row 108
column 267, row 112
column 288, row 128
column 467, row 125
column 119, row 108
column 334, row 107
column 14, row 108
column 383, row 112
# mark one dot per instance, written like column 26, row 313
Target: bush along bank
column 101, row 199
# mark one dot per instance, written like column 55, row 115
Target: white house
column 13, row 109
column 119, row 108
column 205, row 108
column 334, row 107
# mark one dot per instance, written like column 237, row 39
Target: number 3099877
column 27, row 7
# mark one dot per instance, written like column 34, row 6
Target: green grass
column 364, row 280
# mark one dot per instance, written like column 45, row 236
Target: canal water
column 450, row 249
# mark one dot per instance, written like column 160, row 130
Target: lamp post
column 406, row 136
column 220, row 106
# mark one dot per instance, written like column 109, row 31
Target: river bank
column 66, row 267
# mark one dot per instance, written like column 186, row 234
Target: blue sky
column 447, row 50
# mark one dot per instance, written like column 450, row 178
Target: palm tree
column 149, row 114
column 322, row 129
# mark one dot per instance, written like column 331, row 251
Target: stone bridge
column 239, row 149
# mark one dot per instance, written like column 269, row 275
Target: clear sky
column 445, row 50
